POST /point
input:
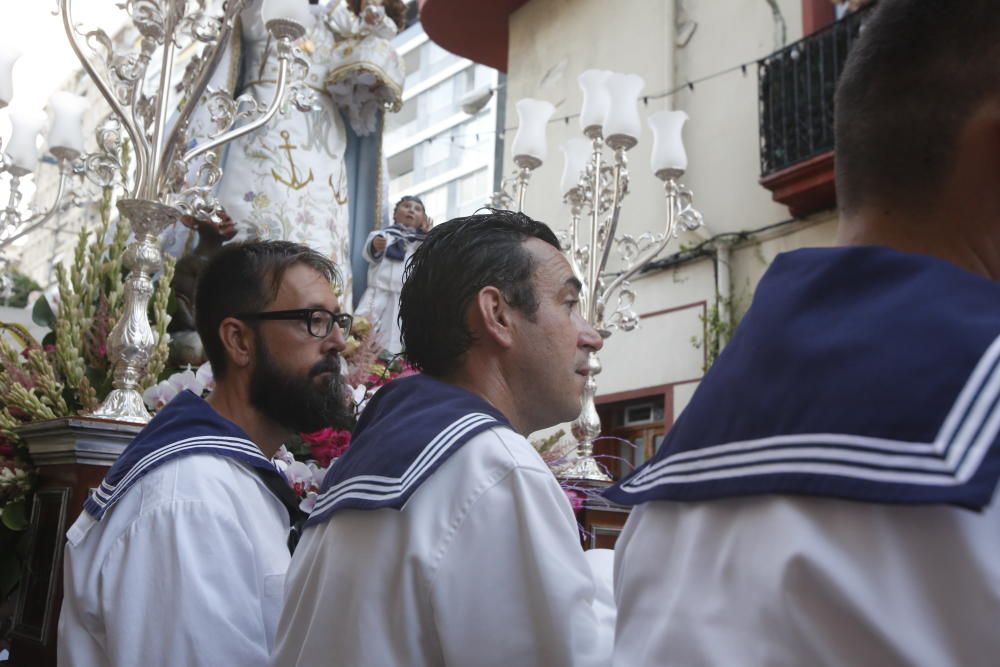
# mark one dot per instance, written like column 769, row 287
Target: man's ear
column 491, row 316
column 238, row 342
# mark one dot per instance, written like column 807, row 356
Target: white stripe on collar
column 971, row 426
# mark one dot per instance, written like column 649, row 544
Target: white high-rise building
column 434, row 149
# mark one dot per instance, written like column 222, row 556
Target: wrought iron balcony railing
column 796, row 88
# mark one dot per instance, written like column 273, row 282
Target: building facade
column 756, row 78
column 434, row 149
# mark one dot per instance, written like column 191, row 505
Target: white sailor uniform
column 179, row 557
column 827, row 496
column 441, row 538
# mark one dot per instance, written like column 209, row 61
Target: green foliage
column 717, row 331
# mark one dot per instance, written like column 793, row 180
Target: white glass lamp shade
column 622, row 124
column 532, row 116
column 23, row 145
column 594, row 84
column 8, row 56
column 668, row 145
column 577, row 152
column 296, row 11
column 66, row 134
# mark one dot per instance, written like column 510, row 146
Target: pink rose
column 327, row 444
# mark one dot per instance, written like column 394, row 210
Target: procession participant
column 180, row 555
column 825, row 498
column 387, row 251
column 441, row 537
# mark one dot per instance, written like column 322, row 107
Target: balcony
column 796, row 90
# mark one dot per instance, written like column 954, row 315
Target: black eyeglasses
column 319, row 320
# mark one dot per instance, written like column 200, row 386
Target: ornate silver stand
column 601, row 190
column 160, row 189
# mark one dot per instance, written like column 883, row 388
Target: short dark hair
column 406, row 198
column 919, row 69
column 459, row 258
column 245, row 278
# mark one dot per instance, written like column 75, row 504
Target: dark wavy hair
column 458, row 259
column 918, row 71
column 245, row 278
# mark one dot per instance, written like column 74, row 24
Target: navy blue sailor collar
column 858, row 373
column 409, row 428
column 186, row 425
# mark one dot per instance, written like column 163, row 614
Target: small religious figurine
column 387, row 251
column 290, row 179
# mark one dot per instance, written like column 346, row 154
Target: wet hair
column 245, row 278
column 918, row 71
column 458, row 259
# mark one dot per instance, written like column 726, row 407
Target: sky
column 47, row 61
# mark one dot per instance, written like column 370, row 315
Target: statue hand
column 378, row 243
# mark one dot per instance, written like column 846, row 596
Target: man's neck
column 233, row 403
column 490, row 386
column 943, row 237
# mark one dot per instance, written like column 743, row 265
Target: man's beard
column 300, row 403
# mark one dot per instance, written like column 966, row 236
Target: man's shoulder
column 485, row 461
column 212, row 482
column 504, row 449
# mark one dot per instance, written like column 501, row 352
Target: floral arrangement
column 68, row 372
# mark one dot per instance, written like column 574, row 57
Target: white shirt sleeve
column 513, row 586
column 779, row 580
column 180, row 588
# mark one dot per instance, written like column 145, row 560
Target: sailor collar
column 858, row 373
column 186, row 425
column 409, row 428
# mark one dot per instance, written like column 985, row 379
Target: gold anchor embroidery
column 339, row 189
column 295, row 183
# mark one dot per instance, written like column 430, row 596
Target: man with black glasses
column 180, row 555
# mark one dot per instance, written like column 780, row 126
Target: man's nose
column 336, row 340
column 589, row 338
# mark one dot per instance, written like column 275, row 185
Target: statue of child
column 387, row 252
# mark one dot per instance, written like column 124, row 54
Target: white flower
column 299, row 473
column 318, row 474
column 159, row 395
column 187, row 380
column 282, row 459
column 309, row 502
column 205, row 376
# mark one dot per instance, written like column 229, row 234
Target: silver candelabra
column 595, row 204
column 169, row 178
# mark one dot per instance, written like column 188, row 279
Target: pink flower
column 575, row 499
column 327, row 444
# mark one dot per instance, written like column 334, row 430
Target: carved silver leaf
column 102, row 169
column 149, row 18
column 109, row 135
column 99, row 42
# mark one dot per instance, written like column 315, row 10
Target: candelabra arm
column 175, row 138
column 34, row 222
column 283, row 59
column 160, row 120
column 523, row 175
column 657, row 248
column 594, row 266
column 621, row 173
column 102, row 85
column 143, row 146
